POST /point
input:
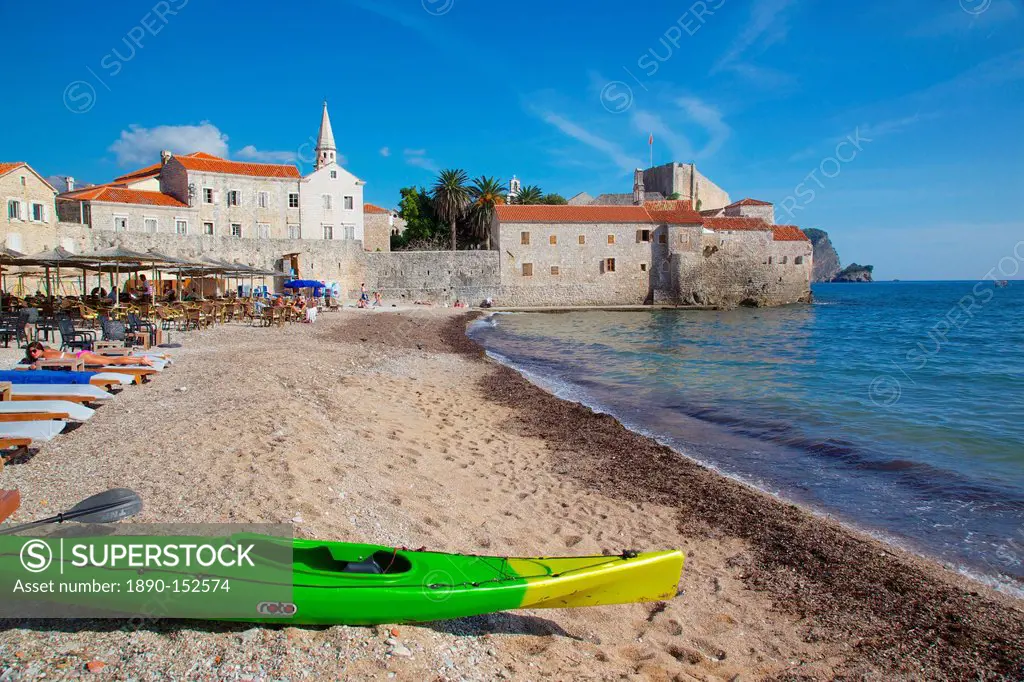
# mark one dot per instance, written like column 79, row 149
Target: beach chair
column 23, row 374
column 73, row 409
column 74, row 339
column 114, row 330
column 76, row 393
column 37, row 431
column 149, row 331
column 41, row 410
column 8, row 328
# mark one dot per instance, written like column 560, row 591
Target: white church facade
column 331, row 198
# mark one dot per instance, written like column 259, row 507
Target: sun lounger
column 79, row 393
column 74, row 411
column 37, row 431
column 138, row 373
column 23, row 374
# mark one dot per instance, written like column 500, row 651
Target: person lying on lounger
column 37, row 351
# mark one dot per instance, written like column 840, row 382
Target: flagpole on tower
column 650, row 143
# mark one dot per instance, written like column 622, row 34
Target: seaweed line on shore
column 892, row 610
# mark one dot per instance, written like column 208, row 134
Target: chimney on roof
column 638, row 187
column 70, row 182
column 165, row 156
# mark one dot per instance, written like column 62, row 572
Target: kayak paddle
column 108, row 507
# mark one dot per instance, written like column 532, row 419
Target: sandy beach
column 394, row 428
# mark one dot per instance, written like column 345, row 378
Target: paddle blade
column 108, row 507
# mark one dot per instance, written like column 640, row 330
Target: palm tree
column 485, row 193
column 451, row 197
column 529, row 194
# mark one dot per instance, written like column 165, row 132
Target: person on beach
column 145, row 288
column 36, row 351
column 377, row 300
column 299, row 308
column 364, row 296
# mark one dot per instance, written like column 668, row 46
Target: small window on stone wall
column 611, row 239
column 527, row 269
column 770, row 259
column 643, row 267
column 799, row 260
column 524, row 238
column 663, row 238
column 644, row 235
column 785, row 259
column 553, row 239
column 583, row 239
column 554, row 269
column 609, row 265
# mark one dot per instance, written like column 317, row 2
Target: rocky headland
column 827, row 266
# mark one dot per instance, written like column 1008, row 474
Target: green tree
column 451, row 197
column 486, row 194
column 674, row 196
column 529, row 195
column 554, row 199
column 417, row 210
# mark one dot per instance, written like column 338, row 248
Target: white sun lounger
column 122, row 379
column 75, row 411
column 94, row 393
column 39, row 432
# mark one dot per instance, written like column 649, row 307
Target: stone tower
column 326, row 152
column 638, row 187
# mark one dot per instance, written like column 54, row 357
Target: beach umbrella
column 157, row 257
column 117, row 255
column 8, row 257
column 51, row 258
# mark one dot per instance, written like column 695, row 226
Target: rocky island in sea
column 827, row 266
column 855, row 273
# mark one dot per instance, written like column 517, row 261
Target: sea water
column 895, row 407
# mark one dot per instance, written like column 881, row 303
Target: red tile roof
column 749, row 202
column 543, row 213
column 735, row 223
column 120, row 195
column 370, row 208
column 668, row 205
column 208, row 163
column 147, row 172
column 788, row 233
column 7, row 167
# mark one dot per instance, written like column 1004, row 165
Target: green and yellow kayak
column 410, row 586
column 319, row 582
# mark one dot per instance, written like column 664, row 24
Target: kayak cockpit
column 334, row 559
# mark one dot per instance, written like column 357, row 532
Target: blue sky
column 760, row 94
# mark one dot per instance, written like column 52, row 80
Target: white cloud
column 250, row 153
column 647, row 123
column 385, row 152
column 869, row 132
column 765, row 27
column 142, row 146
column 708, row 117
column 955, row 21
column 893, row 125
column 614, row 152
column 419, row 159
